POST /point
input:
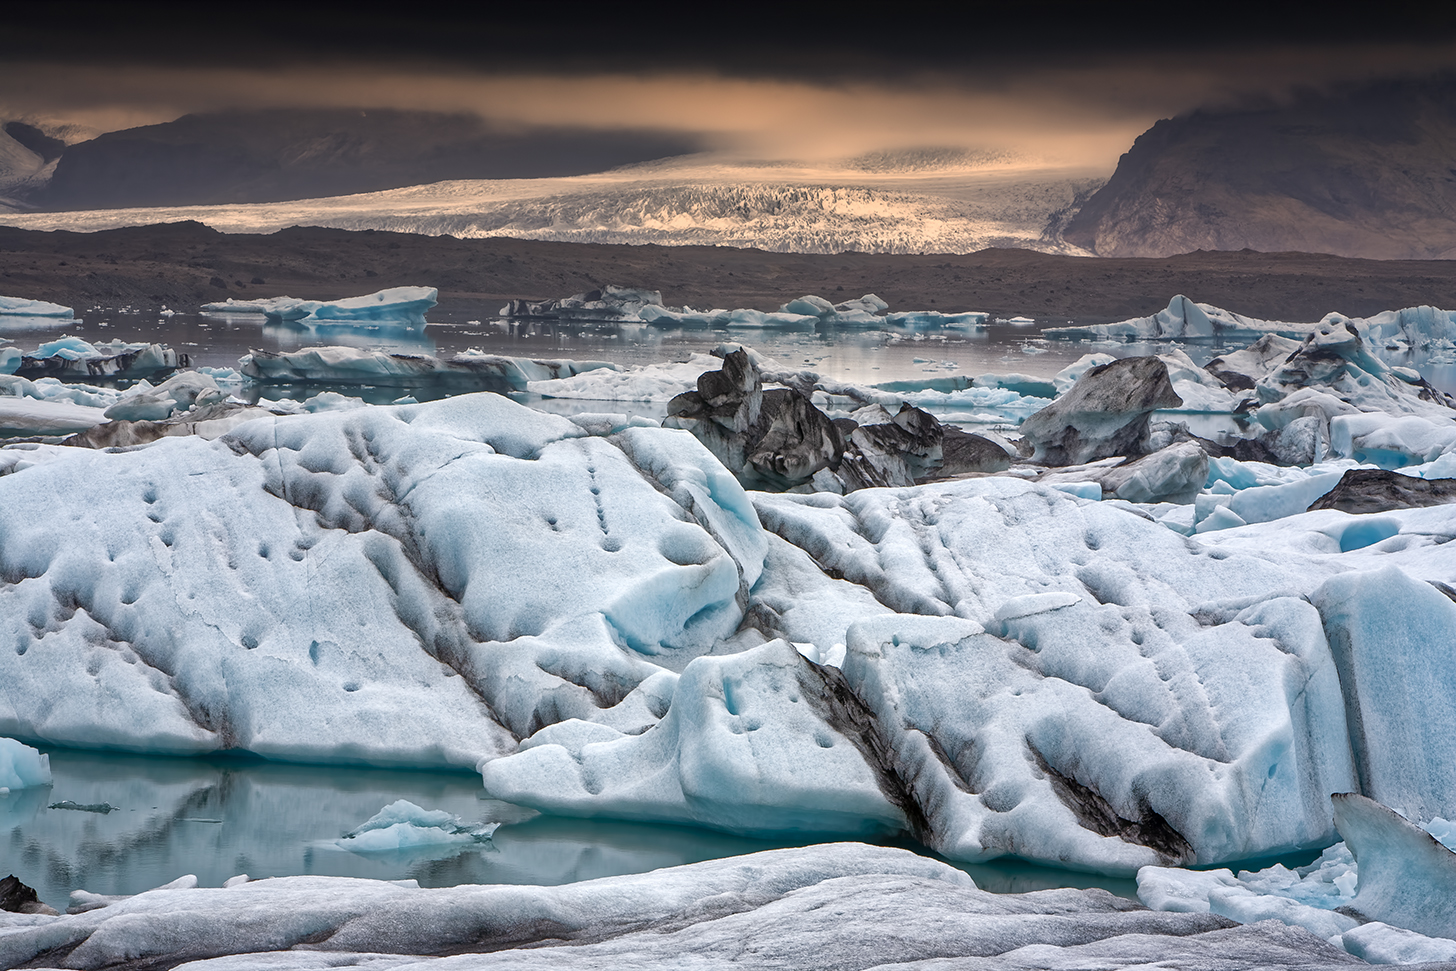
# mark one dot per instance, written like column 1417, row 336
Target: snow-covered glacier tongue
column 420, row 585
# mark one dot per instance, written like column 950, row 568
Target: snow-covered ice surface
column 22, row 766
column 832, row 906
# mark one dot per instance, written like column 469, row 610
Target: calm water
column 858, row 356
column 861, row 357
column 219, row 818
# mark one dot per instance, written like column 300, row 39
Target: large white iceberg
column 1121, row 694
column 396, row 305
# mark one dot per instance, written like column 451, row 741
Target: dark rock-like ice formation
column 1105, row 413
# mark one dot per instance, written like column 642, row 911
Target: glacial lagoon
column 217, row 818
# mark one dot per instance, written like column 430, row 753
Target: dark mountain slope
column 1365, row 172
column 281, row 154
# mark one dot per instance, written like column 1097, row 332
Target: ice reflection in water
column 218, row 818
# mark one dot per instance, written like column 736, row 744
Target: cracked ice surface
column 330, row 587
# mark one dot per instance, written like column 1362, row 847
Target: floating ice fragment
column 22, row 766
column 396, row 305
column 403, row 825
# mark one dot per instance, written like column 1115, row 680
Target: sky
column 1064, row 83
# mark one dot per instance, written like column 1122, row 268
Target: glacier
column 694, row 200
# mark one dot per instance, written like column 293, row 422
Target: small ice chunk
column 402, row 825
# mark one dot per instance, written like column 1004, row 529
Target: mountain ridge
column 1363, row 171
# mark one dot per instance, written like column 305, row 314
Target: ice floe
column 610, row 302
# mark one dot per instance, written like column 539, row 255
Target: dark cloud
column 740, row 39
column 1074, row 80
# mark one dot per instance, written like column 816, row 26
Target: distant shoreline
column 182, row 265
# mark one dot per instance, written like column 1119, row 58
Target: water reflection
column 219, row 818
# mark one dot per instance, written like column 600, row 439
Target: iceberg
column 397, row 305
column 610, row 302
column 723, row 319
column 22, row 307
column 1061, row 624
column 808, row 312
column 73, row 357
column 1105, row 413
column 1400, row 694
column 22, row 766
column 1182, row 319
column 469, row 370
column 402, row 826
